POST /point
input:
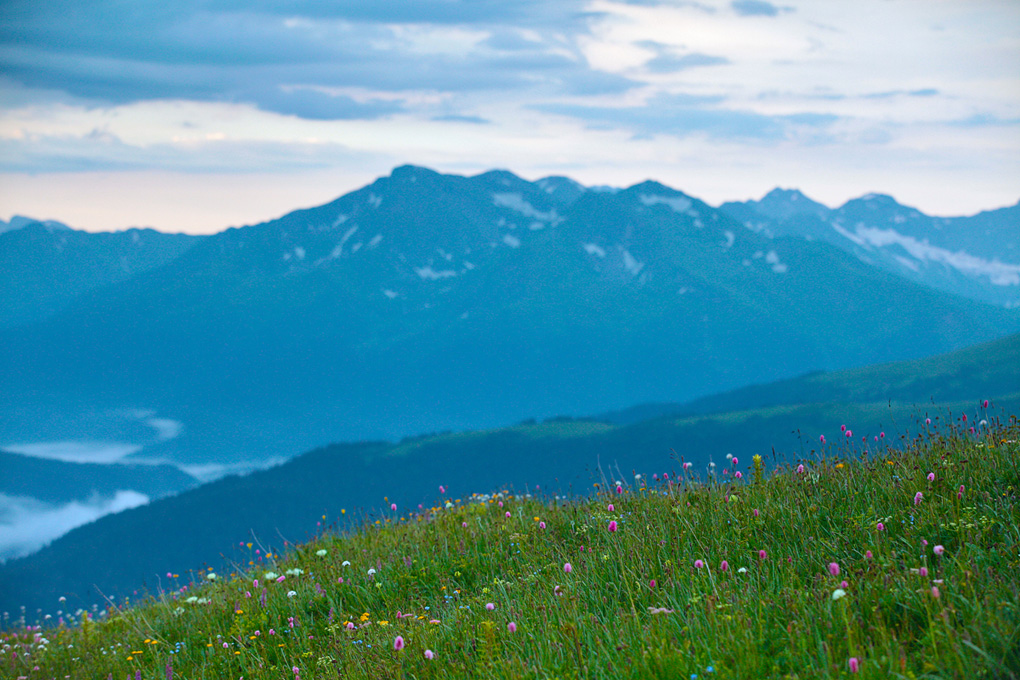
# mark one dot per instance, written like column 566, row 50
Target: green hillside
column 898, row 566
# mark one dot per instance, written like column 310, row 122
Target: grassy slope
column 991, row 368
column 635, row 603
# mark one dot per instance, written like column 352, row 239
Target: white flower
column 838, row 593
column 371, row 572
column 193, row 598
column 295, row 572
column 270, row 575
column 211, row 576
column 320, row 553
column 345, row 564
column 742, row 570
column 291, row 593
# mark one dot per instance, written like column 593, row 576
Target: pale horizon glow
column 188, row 131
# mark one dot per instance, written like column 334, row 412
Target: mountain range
column 343, row 486
column 977, row 256
column 427, row 302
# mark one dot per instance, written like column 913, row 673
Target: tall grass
column 782, row 573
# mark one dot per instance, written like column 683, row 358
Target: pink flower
column 295, row 669
column 724, row 566
column 849, row 433
column 393, row 506
column 490, row 606
column 756, row 512
column 619, row 489
column 442, row 489
column 880, row 526
column 923, row 571
column 931, row 476
column 611, row 508
column 429, row 654
column 508, row 514
column 834, row 568
column 821, row 439
column 959, row 494
column 842, row 428
column 567, row 568
column 935, row 592
column 868, row 555
column 541, row 525
column 984, row 404
column 844, row 585
column 698, row 564
column 800, row 469
column 612, row 525
column 762, row 554
column 398, row 643
column 349, row 626
column 917, row 498
column 280, row 579
column 501, row 504
column 687, row 466
column 665, row 475
column 463, row 525
column 881, row 435
column 964, row 417
column 651, row 584
column 938, row 550
column 511, row 627
column 738, row 474
column 927, row 421
column 854, row 664
column 735, row 462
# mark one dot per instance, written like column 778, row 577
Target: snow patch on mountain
column 772, row 258
column 631, row 264
column 593, row 249
column 516, row 202
column 998, row 273
column 512, row 241
column 430, row 274
column 679, row 204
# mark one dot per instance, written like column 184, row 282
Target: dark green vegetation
column 855, row 564
column 122, row 552
column 432, row 302
column 54, row 481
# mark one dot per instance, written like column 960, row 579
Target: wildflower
column 321, row 553
column 838, row 594
column 442, row 489
column 612, row 526
column 923, row 571
column 917, row 498
column 959, row 494
column 935, row 592
column 938, row 550
column 687, row 466
column 371, row 572
column 280, row 579
column 349, row 626
column 541, row 525
column 844, row 585
column 567, row 568
column 800, row 469
column 842, row 428
column 984, row 404
column 651, row 584
column 723, row 566
column 619, row 489
column 821, row 439
column 345, row 563
column 291, row 593
column 927, row 421
column 508, row 514
column 834, row 568
column 463, row 525
column 511, row 627
column 880, row 526
column 211, row 576
column 398, row 643
column 611, row 507
column 931, row 476
column 867, row 555
column 854, row 664
column 742, row 570
column 429, row 654
column 393, row 506
column 762, row 554
column 739, row 474
column 849, row 434
column 490, row 606
column 698, row 564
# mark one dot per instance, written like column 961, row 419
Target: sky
column 197, row 115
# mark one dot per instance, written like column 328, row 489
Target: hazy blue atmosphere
column 323, row 250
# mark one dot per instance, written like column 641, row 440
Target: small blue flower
column 710, row 669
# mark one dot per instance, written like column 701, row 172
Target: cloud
column 27, row 524
column 100, row 150
column 316, row 105
column 76, row 452
column 456, row 118
column 668, row 63
column 754, row 8
column 686, row 115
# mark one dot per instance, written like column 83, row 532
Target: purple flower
column 612, row 526
column 567, row 568
column 762, row 554
column 724, row 566
column 917, row 498
column 511, row 627
column 611, row 507
column 541, row 525
column 931, row 476
column 834, row 568
column 490, row 606
column 698, row 564
column 854, row 664
column 800, row 469
column 880, row 526
column 398, row 643
column 429, row 654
